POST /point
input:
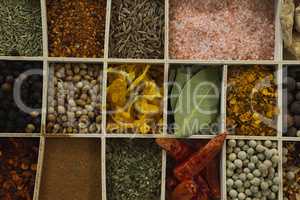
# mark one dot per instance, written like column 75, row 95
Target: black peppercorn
column 291, row 83
column 290, row 98
column 295, row 107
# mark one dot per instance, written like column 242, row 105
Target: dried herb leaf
column 198, row 102
column 181, row 78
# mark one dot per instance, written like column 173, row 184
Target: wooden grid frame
column 278, row 62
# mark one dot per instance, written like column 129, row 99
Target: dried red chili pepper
column 212, row 178
column 202, row 196
column 197, row 162
column 171, row 183
column 202, row 185
column 176, row 149
column 187, row 190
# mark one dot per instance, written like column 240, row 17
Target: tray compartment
column 74, row 98
column 222, row 30
column 252, row 100
column 21, row 28
column 76, row 28
column 21, row 96
column 132, row 91
column 71, row 169
column 18, row 158
column 137, row 29
column 133, row 169
column 189, row 95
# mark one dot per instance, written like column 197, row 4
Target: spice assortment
column 74, row 98
column 203, row 98
column 135, row 98
column 291, row 101
column 76, row 28
column 137, row 29
column 252, row 100
column 252, row 169
column 20, row 28
column 194, row 99
column 21, row 85
column 222, row 30
column 133, row 169
column 196, row 171
column 291, row 171
column 18, row 158
column 71, row 169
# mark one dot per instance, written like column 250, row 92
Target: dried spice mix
column 133, row 169
column 76, row 28
column 252, row 100
column 74, row 98
column 20, row 28
column 18, row 165
column 137, row 29
column 135, row 98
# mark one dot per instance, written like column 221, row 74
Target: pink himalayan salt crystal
column 222, row 29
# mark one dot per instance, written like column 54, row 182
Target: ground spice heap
column 20, row 28
column 18, row 158
column 252, row 100
column 137, row 29
column 76, row 28
column 133, row 169
column 74, row 99
column 13, row 117
column 135, row 98
column 215, row 30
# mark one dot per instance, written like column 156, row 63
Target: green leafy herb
column 198, row 104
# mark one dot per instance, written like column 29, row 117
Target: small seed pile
column 74, row 99
column 18, row 158
column 252, row 100
column 135, row 98
column 252, row 170
column 13, row 117
column 137, row 29
column 292, row 88
column 291, row 173
column 76, row 28
column 133, row 169
column 20, row 28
